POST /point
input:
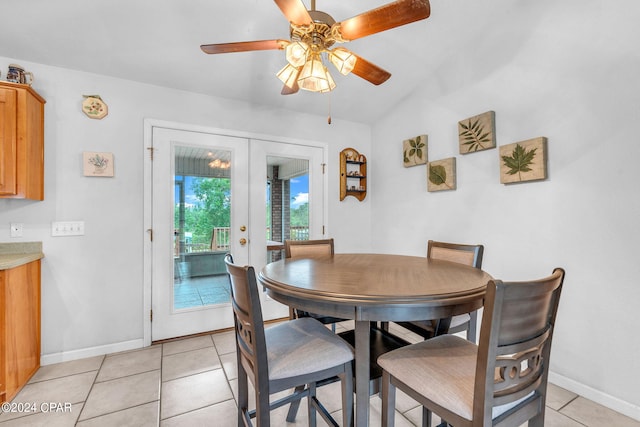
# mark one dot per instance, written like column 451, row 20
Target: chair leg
column 294, row 406
column 346, row 379
column 243, row 395
column 388, row 392
column 310, row 408
column 426, row 417
column 473, row 326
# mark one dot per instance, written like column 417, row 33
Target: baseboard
column 65, row 356
column 611, row 402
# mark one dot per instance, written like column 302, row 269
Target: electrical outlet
column 67, row 228
column 16, row 229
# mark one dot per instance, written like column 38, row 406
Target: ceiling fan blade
column 384, row 18
column 295, row 11
column 370, row 72
column 244, row 46
column 286, row 90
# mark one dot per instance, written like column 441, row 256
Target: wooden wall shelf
column 353, row 174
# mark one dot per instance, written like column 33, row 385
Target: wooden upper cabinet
column 21, row 142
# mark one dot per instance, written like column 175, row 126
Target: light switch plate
column 67, row 228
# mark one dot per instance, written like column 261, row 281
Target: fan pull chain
column 329, row 117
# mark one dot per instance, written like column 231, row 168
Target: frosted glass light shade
column 296, row 53
column 343, row 60
column 313, row 76
column 288, row 75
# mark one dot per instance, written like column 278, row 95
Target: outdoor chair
column 287, row 355
column 502, row 381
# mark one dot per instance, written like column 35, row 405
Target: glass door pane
column 202, row 214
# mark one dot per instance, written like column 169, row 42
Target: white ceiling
column 158, row 42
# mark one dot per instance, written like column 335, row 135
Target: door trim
column 149, row 125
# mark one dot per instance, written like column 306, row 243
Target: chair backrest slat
column 308, row 248
column 247, row 314
column 515, row 341
column 454, row 252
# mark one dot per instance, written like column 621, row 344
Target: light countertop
column 16, row 254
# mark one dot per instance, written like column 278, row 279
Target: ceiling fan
column 312, row 36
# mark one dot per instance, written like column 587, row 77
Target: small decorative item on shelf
column 94, row 107
column 353, row 174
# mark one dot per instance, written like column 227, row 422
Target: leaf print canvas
column 523, row 161
column 441, row 175
column 414, row 151
column 477, row 133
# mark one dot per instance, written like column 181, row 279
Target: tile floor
column 192, row 382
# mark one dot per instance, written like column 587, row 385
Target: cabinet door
column 8, row 142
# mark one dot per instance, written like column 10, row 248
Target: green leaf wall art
column 477, row 133
column 523, row 161
column 414, row 151
column 441, row 175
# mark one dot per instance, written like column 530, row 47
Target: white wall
column 92, row 285
column 568, row 71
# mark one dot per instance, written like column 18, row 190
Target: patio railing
column 220, row 239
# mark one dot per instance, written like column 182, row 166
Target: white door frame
column 149, row 124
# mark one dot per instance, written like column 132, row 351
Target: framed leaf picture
column 414, row 151
column 477, row 133
column 523, row 161
column 441, row 175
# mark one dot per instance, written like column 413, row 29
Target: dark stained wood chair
column 502, row 381
column 307, row 249
column 463, row 254
column 295, row 354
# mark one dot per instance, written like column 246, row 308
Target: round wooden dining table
column 374, row 288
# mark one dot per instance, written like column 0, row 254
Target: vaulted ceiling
column 158, row 42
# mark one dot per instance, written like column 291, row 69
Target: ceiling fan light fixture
column 313, row 76
column 343, row 60
column 288, row 75
column 296, row 53
column 330, row 81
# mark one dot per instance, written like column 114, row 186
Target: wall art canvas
column 477, row 133
column 414, row 151
column 441, row 175
column 97, row 164
column 523, row 161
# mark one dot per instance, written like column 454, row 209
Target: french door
column 213, row 194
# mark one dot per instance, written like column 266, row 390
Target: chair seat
column 442, row 369
column 316, row 348
column 459, row 320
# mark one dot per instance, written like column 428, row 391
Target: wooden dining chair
column 502, row 381
column 463, row 254
column 307, row 249
column 287, row 355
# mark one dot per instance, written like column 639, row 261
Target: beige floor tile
column 189, row 363
column 146, row 415
column 194, row 392
column 557, row 397
column 187, row 344
column 592, row 414
column 230, row 365
column 225, row 342
column 65, row 369
column 121, row 393
column 556, row 419
column 130, row 363
column 73, row 389
column 224, row 413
